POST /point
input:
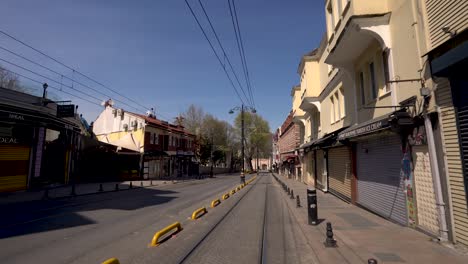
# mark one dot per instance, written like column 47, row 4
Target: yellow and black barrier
column 111, row 261
column 198, row 213
column 225, row 196
column 238, row 188
column 233, row 191
column 215, row 203
column 162, row 232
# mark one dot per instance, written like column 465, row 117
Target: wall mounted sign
column 364, row 129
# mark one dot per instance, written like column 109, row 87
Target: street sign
column 66, row 110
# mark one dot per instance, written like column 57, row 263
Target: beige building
column 375, row 128
column 444, row 47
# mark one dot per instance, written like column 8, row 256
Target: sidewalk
column 362, row 235
column 83, row 189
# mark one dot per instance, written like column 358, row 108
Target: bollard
column 141, row 184
column 298, row 201
column 330, row 241
column 292, row 194
column 100, row 188
column 312, row 206
column 131, row 186
column 73, row 192
column 116, row 186
column 151, row 183
column 371, row 261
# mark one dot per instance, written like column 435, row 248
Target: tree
column 9, row 80
column 257, row 136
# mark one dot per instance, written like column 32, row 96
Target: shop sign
column 16, row 117
column 372, row 127
column 8, row 140
column 65, row 110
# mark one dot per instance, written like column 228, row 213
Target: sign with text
column 65, row 110
column 366, row 129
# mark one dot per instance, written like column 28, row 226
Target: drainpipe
column 443, row 230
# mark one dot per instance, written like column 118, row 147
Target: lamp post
column 242, row 108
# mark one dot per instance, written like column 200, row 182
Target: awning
column 395, row 120
column 327, row 140
column 365, row 128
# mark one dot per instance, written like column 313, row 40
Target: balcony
column 360, row 22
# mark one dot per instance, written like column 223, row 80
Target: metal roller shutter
column 14, row 164
column 339, row 172
column 320, row 181
column 380, row 186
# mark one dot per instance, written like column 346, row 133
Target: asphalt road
column 90, row 229
column 252, row 226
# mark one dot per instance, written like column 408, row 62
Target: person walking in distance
column 242, row 176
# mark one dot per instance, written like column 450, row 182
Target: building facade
column 155, row 148
column 38, row 147
column 288, row 141
column 381, row 111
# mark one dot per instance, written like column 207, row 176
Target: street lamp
column 242, row 108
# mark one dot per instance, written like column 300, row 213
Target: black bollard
column 131, row 186
column 371, row 261
column 312, row 209
column 330, row 241
column 292, row 194
column 298, row 201
column 73, row 192
column 151, row 183
column 100, row 188
column 141, row 184
column 116, row 186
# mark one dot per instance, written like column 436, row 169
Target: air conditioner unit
column 114, row 111
column 133, row 123
column 125, row 126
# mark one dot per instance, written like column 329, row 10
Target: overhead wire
column 70, row 68
column 50, row 86
column 224, row 52
column 62, row 76
column 214, row 51
column 240, row 44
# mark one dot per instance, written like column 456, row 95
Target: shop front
column 381, row 185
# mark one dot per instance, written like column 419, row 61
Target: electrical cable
column 224, row 52
column 214, row 51
column 70, row 68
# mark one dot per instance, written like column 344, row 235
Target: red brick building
column 288, row 142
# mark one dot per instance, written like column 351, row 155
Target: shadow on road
column 40, row 216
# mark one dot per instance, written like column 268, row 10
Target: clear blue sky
column 154, row 52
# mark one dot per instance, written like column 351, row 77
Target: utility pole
column 242, row 137
column 242, row 109
column 211, row 155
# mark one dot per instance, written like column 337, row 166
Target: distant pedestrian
column 242, row 176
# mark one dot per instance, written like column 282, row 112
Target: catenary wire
column 70, row 68
column 63, row 76
column 224, row 52
column 50, row 86
column 249, row 84
column 214, row 51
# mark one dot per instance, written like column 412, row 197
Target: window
column 385, row 55
column 151, row 138
column 332, row 113
column 361, row 85
column 373, row 84
column 331, row 15
column 337, row 106
column 342, row 102
column 156, row 139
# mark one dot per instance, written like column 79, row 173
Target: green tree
column 257, row 136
